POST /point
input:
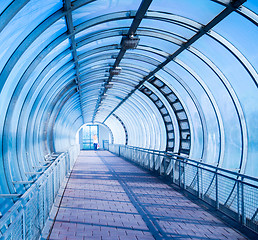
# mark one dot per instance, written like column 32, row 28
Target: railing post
column 173, row 170
column 156, row 164
column 119, row 150
column 198, row 181
column 160, row 165
column 153, row 162
column 54, row 182
column 238, row 202
column 184, row 185
column 201, row 182
column 217, row 190
column 243, row 201
column 179, row 172
column 23, row 225
column 164, row 165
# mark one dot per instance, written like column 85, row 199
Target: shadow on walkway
column 107, row 197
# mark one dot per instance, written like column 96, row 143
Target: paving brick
column 109, row 198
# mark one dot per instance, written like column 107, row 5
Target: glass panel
column 35, row 48
column 102, row 7
column 98, row 55
column 199, row 10
column 252, row 5
column 242, row 34
column 44, row 62
column 22, row 24
column 162, row 45
column 136, row 62
column 117, row 130
column 150, row 54
column 98, row 44
column 184, row 94
column 242, row 84
column 114, row 26
column 231, row 125
column 4, row 4
column 171, row 28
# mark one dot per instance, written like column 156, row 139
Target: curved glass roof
column 178, row 76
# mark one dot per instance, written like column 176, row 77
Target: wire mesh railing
column 234, row 194
column 27, row 217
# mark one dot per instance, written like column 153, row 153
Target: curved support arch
column 81, row 28
column 215, row 107
column 181, row 116
column 32, row 37
column 235, row 101
column 45, row 59
column 63, row 98
column 242, row 10
column 10, row 12
column 142, row 118
column 126, row 133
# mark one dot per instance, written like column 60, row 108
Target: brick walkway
column 109, row 198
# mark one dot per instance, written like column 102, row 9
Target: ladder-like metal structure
column 180, row 113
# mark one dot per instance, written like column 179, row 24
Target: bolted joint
column 78, row 89
column 109, row 85
column 129, row 42
column 115, row 71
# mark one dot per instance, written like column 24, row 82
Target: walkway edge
column 50, row 220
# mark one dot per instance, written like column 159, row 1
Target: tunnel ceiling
column 179, row 76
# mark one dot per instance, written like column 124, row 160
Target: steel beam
column 10, row 195
column 139, row 16
column 70, row 29
column 135, row 24
column 231, row 7
column 23, row 182
column 33, row 36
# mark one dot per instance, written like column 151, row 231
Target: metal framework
column 126, row 133
column 130, row 36
column 178, row 110
column 179, row 170
column 179, row 83
column 229, row 9
column 70, row 32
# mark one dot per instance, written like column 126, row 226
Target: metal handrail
column 232, row 193
column 23, row 221
column 182, row 159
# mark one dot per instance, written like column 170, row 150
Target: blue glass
column 23, row 23
column 198, row 10
column 103, row 28
column 144, row 50
column 242, row 34
column 4, row 4
column 241, row 82
column 98, row 44
column 102, row 7
column 252, row 5
column 226, row 109
column 168, row 27
column 117, row 130
column 162, row 45
column 206, row 106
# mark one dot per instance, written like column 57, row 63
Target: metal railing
column 234, row 194
column 27, row 217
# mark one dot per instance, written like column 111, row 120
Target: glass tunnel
column 175, row 76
